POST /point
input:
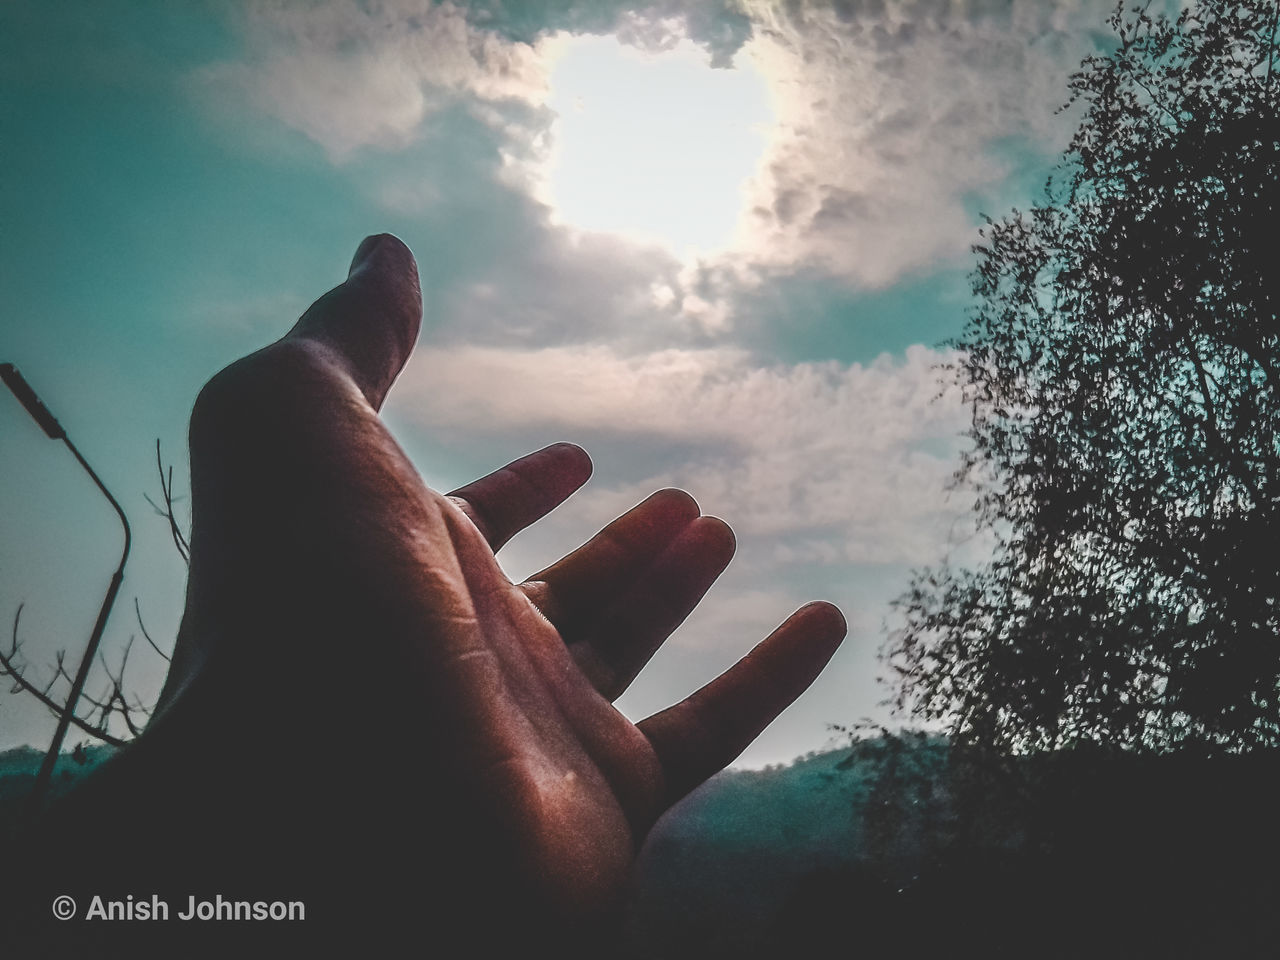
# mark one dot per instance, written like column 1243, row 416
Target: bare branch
column 166, row 511
column 146, row 635
column 114, row 698
column 8, row 668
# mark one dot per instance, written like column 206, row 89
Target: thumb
column 371, row 321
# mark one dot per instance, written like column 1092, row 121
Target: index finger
column 524, row 491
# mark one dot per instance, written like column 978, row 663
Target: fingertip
column 716, row 530
column 382, row 251
column 825, row 619
column 574, row 459
column 674, row 502
column 386, row 269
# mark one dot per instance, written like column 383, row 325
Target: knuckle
column 253, row 391
column 218, row 401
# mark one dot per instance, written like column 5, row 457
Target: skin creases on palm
column 579, row 781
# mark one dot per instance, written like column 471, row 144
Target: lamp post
column 40, row 413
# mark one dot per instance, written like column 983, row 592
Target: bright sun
column 653, row 146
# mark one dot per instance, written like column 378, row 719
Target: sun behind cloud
column 652, row 145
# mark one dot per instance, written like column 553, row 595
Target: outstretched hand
column 327, row 581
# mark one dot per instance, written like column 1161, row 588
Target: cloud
column 558, row 287
column 351, row 75
column 832, row 463
column 893, row 118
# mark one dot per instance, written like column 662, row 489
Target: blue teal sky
column 181, row 180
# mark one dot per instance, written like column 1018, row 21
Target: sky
column 718, row 243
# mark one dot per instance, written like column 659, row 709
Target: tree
column 1122, row 368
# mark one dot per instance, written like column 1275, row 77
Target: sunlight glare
column 653, row 146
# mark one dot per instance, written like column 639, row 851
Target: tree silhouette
column 1121, row 366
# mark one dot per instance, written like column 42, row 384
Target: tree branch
column 8, row 669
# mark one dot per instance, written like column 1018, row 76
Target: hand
column 323, row 571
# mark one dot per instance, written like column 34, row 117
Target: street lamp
column 40, row 413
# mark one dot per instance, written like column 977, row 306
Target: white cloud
column 351, row 75
column 892, row 120
column 838, row 463
column 561, row 286
column 890, row 117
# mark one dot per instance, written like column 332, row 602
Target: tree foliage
column 1122, row 367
